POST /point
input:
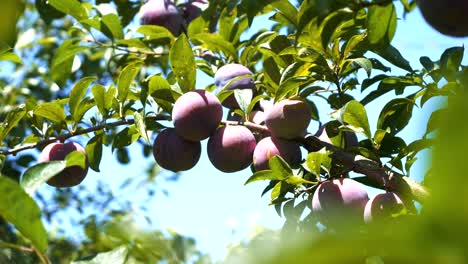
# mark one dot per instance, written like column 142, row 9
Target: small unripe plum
column 288, row 118
column 196, row 115
column 162, row 13
column 340, row 201
column 270, row 147
column 70, row 176
column 228, row 72
column 174, row 153
column 449, row 17
column 230, row 148
column 382, row 207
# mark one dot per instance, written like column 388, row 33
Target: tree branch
column 384, row 177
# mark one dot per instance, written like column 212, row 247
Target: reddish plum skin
column 70, row 176
column 174, row 153
column 270, row 147
column 340, row 201
column 230, row 148
column 161, row 13
column 449, row 17
column 229, row 71
column 288, row 119
column 382, row 206
column 196, row 115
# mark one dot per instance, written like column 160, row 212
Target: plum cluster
column 197, row 115
column 166, row 14
column 344, row 201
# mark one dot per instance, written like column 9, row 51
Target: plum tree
column 256, row 117
column 174, row 153
column 339, row 200
column 70, row 176
column 383, row 206
column 230, row 148
column 162, row 13
column 288, row 118
column 270, row 147
column 193, row 9
column 196, row 115
column 449, row 17
column 228, row 72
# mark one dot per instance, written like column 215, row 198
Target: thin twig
column 14, row 246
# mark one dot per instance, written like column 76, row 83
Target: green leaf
column 279, row 189
column 10, row 56
column 395, row 115
column 99, row 98
column 18, row 208
column 354, row 114
column 159, row 88
column 216, row 43
column 62, row 61
column 76, row 158
column 125, row 137
column 393, row 55
column 77, row 93
column 71, row 7
column 264, row 175
column 35, row 176
column 279, row 166
column 116, row 256
column 153, row 32
column 450, row 62
column 364, row 63
column 317, row 160
column 126, row 78
column 140, row 125
column 53, row 111
column 112, row 23
column 295, row 180
column 435, row 120
column 11, row 121
column 243, row 98
column 183, row 63
column 94, row 151
column 381, row 24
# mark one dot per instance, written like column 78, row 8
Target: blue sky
column 216, row 208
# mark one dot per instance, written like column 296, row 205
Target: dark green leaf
column 18, row 208
column 94, row 151
column 395, row 115
column 393, row 55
